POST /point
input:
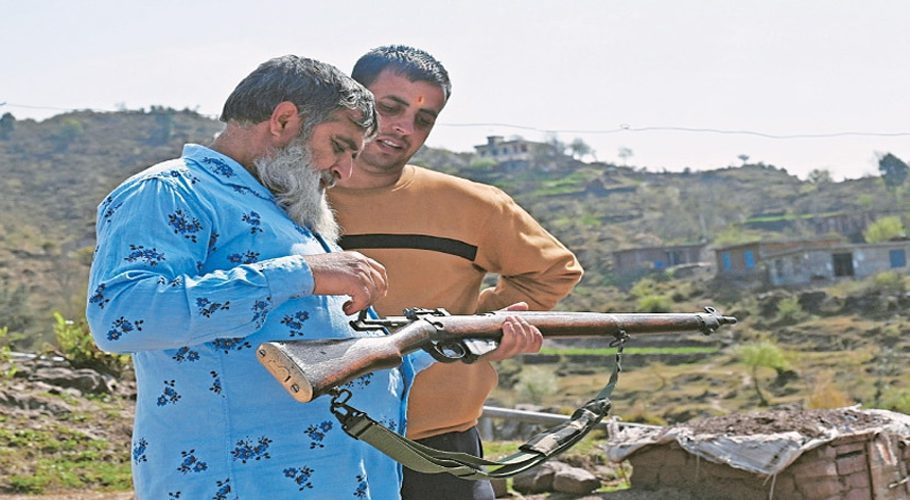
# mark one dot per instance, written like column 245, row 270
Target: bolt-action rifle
column 311, row 368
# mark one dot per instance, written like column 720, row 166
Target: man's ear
column 284, row 124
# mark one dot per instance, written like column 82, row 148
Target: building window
column 749, row 259
column 843, row 264
column 726, row 261
column 898, row 257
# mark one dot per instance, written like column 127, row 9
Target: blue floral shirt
column 196, row 265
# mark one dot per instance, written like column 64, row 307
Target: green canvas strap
column 537, row 450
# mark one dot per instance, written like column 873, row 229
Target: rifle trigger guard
column 447, row 352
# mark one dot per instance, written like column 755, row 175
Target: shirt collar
column 227, row 170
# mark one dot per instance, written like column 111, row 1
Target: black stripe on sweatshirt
column 410, row 241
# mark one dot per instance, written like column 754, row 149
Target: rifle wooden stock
column 311, row 368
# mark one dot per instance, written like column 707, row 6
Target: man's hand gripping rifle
column 311, row 368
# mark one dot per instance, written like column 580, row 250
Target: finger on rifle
column 531, row 338
column 518, row 337
column 348, row 273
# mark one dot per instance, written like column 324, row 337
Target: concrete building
column 501, row 150
column 745, row 260
column 802, row 266
column 661, row 257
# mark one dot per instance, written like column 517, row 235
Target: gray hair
column 316, row 88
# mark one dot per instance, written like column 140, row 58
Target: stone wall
column 863, row 466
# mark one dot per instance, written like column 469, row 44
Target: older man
column 438, row 237
column 203, row 257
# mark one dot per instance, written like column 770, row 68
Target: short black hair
column 316, row 88
column 414, row 64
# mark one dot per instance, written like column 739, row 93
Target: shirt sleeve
column 533, row 266
column 146, row 287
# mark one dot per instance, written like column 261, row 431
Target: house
column 661, row 257
column 516, row 149
column 745, row 259
column 802, row 266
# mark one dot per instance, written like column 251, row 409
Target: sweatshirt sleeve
column 147, row 290
column 533, row 266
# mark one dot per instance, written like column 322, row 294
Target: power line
column 622, row 128
column 629, row 128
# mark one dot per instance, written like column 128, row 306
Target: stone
column 500, row 487
column 850, row 464
column 858, row 480
column 820, row 488
column 83, row 379
column 576, row 481
column 858, row 494
column 818, row 468
column 537, row 480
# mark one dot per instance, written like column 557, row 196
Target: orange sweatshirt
column 438, row 236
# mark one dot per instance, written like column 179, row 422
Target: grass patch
column 609, row 351
column 57, row 458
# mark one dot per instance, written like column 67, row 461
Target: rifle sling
column 537, row 450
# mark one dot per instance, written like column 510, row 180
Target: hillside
column 826, row 346
column 54, row 173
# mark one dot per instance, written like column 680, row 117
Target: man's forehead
column 390, row 84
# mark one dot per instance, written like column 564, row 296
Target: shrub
column 654, row 304
column 789, row 310
column 884, row 229
column 889, row 282
column 762, row 354
column 897, row 400
column 535, row 384
column 825, row 393
column 77, row 346
column 643, row 287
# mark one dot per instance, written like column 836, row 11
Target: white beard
column 300, row 188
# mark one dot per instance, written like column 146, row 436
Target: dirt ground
column 812, row 423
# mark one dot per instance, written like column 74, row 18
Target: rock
column 576, row 481
column 84, row 379
column 812, row 302
column 537, row 480
column 27, row 401
column 500, row 487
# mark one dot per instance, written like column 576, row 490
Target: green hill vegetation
column 823, row 346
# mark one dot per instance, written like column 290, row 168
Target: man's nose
column 403, row 126
column 344, row 166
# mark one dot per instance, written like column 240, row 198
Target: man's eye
column 425, row 122
column 385, row 108
column 337, row 147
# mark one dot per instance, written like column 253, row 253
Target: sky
column 802, row 85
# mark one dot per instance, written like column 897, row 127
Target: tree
column 762, row 354
column 820, row 176
column 624, row 154
column 557, row 147
column 743, row 158
column 70, row 130
column 894, row 171
column 579, row 148
column 884, row 229
column 7, row 125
